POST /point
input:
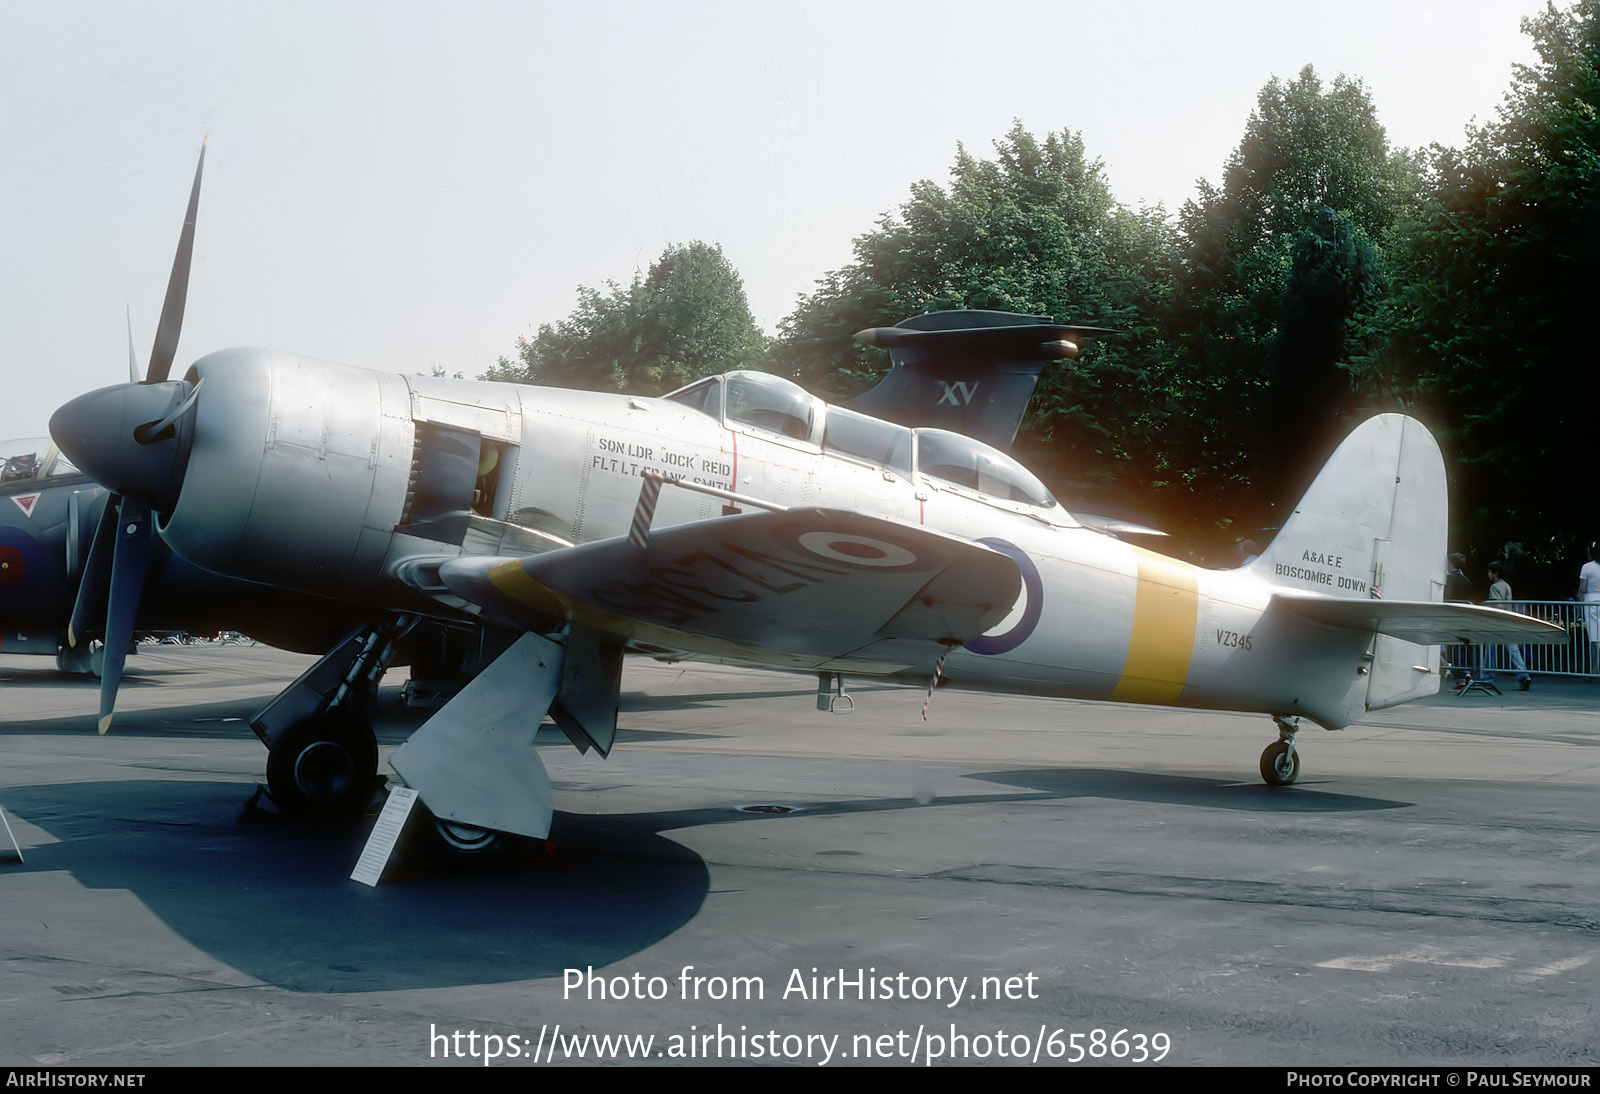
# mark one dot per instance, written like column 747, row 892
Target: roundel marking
column 11, row 564
column 1032, row 605
column 33, row 581
column 856, row 550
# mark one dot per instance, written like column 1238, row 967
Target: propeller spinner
column 133, row 438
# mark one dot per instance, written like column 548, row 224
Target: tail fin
column 1373, row 526
column 971, row 372
column 1373, row 523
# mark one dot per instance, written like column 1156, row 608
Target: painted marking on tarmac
column 1422, row 955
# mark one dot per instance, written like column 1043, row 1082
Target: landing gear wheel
column 1280, row 764
column 73, row 659
column 461, row 846
column 323, row 765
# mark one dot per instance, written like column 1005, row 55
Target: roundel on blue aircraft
column 12, row 565
column 1019, row 623
column 19, row 552
column 31, row 581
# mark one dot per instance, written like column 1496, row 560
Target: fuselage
column 340, row 481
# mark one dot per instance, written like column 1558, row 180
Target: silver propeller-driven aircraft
column 741, row 519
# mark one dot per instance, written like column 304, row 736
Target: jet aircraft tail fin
column 970, row 372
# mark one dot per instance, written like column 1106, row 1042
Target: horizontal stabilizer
column 1423, row 622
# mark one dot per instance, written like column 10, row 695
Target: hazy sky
column 403, row 185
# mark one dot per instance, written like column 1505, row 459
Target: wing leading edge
column 803, row 588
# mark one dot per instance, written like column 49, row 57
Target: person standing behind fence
column 1457, row 585
column 1589, row 593
column 1500, row 589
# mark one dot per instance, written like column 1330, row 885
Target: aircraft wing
column 1426, row 622
column 819, row 589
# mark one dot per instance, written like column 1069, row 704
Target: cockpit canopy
column 771, row 403
column 768, row 403
column 958, row 458
column 32, row 458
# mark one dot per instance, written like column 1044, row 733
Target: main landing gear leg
column 474, row 765
column 481, row 782
column 322, row 757
column 1280, row 763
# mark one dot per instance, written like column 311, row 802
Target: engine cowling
column 297, row 472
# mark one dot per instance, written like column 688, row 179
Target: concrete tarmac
column 749, row 880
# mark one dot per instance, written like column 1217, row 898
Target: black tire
column 1280, row 765
column 324, row 765
column 73, row 659
column 453, row 846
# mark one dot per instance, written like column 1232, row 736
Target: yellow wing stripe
column 1165, row 609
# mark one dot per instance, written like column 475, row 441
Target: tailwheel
column 324, row 765
column 1280, row 764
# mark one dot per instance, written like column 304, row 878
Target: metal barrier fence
column 1573, row 657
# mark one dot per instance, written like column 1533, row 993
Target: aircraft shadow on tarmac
column 206, row 721
column 1192, row 790
column 391, row 720
column 274, row 901
column 137, row 676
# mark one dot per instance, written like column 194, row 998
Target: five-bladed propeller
column 133, row 438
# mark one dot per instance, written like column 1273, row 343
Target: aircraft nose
column 133, row 438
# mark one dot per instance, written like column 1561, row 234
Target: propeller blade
column 134, row 529
column 171, row 326
column 96, row 577
column 133, row 362
column 153, row 432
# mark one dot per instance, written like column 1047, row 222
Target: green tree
column 1035, row 230
column 1490, row 329
column 1280, row 275
column 686, row 317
